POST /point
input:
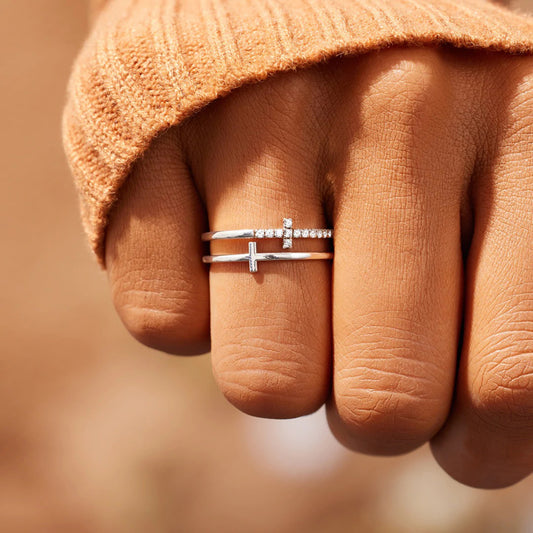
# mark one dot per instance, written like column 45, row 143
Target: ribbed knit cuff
column 148, row 64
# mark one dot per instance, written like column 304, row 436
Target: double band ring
column 287, row 233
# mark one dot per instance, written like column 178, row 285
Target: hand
column 422, row 160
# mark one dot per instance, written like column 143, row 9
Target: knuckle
column 403, row 81
column 503, row 395
column 169, row 320
column 289, row 91
column 388, row 421
column 152, row 327
column 502, row 378
column 285, row 112
column 165, row 330
column 516, row 106
column 521, row 77
column 264, row 378
column 292, row 109
column 395, row 392
column 407, row 101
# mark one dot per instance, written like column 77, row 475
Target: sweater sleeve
column 148, row 64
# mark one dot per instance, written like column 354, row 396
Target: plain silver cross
column 252, row 256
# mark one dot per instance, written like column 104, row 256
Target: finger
column 398, row 268
column 488, row 441
column 153, row 254
column 270, row 330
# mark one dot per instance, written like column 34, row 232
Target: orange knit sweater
column 148, row 64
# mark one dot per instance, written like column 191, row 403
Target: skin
column 422, row 328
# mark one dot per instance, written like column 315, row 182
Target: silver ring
column 287, row 233
column 252, row 257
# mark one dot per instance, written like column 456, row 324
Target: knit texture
column 148, row 64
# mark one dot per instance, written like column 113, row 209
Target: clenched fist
column 421, row 329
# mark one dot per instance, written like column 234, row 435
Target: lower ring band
column 253, row 257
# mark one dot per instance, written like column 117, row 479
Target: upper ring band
column 287, row 233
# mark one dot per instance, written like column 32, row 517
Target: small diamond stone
column 287, row 222
column 312, row 234
column 269, row 233
column 319, row 233
column 287, row 233
column 279, row 233
column 305, row 233
column 330, row 234
column 287, row 243
column 297, row 233
column 260, row 233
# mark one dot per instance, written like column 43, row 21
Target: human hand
column 421, row 160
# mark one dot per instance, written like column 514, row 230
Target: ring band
column 287, row 233
column 252, row 257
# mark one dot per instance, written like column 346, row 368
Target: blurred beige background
column 101, row 435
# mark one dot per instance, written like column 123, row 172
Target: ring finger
column 270, row 331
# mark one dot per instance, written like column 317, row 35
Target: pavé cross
column 288, row 233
